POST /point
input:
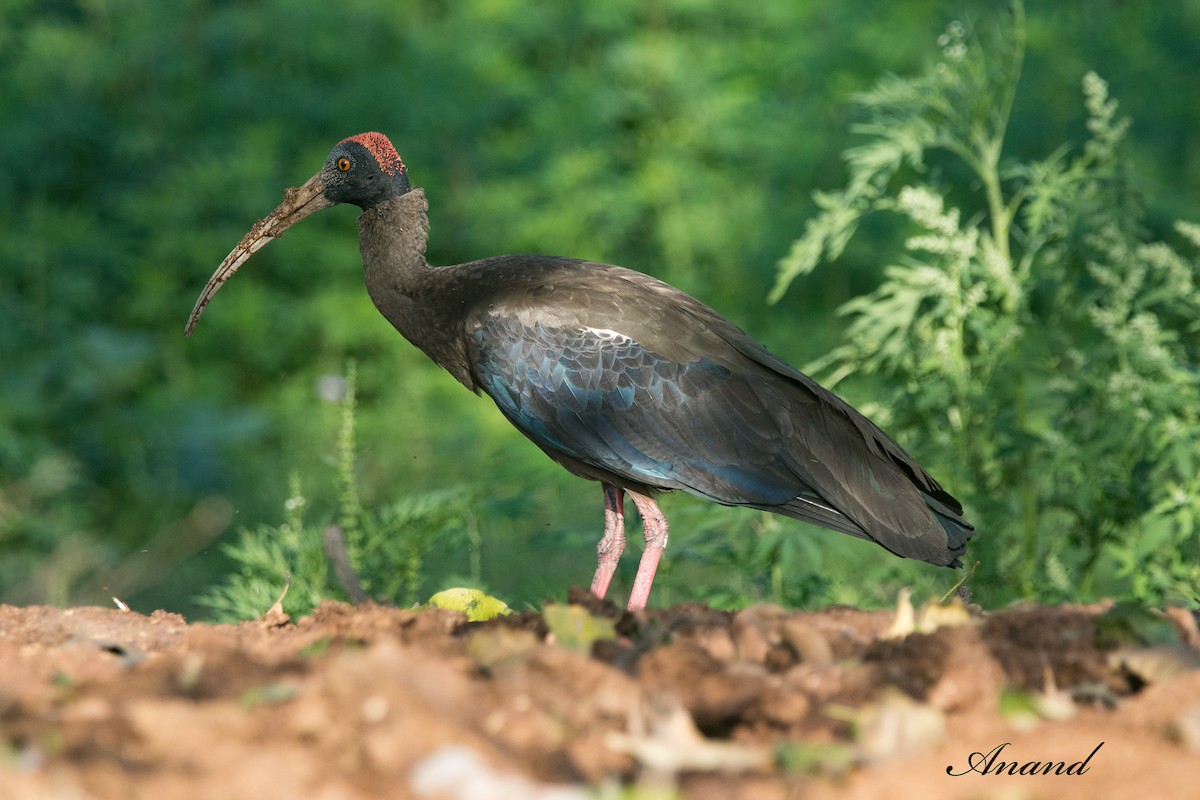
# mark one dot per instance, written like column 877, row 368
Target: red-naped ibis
column 623, row 379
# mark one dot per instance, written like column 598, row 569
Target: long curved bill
column 297, row 204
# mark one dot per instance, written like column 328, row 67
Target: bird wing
column 624, row 378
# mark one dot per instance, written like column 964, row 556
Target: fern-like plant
column 385, row 549
column 1039, row 349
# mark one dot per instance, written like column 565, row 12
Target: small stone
column 784, row 706
column 750, row 639
column 374, row 709
column 719, row 644
column 1185, row 729
column 808, row 643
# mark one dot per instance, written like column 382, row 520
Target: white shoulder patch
column 608, row 333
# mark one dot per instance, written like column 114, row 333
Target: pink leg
column 655, row 526
column 613, row 544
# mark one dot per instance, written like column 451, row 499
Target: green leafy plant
column 284, row 562
column 762, row 557
column 1039, row 345
column 671, row 137
column 384, row 551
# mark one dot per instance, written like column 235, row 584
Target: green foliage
column 398, row 539
column 1040, row 348
column 386, row 549
column 759, row 553
column 286, row 562
column 675, row 137
column 146, row 137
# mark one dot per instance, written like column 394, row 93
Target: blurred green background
column 677, row 137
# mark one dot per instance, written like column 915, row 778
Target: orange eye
column 343, row 164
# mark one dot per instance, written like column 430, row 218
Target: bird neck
column 419, row 300
column 392, row 238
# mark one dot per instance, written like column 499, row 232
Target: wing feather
column 708, row 411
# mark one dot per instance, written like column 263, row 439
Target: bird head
column 363, row 170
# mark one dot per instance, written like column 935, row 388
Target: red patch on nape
column 381, row 147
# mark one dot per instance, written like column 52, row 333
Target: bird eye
column 343, row 164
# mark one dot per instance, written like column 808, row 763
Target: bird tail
column 946, row 512
column 958, row 530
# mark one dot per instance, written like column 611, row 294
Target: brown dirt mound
column 375, row 702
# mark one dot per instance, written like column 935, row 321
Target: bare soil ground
column 375, row 702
